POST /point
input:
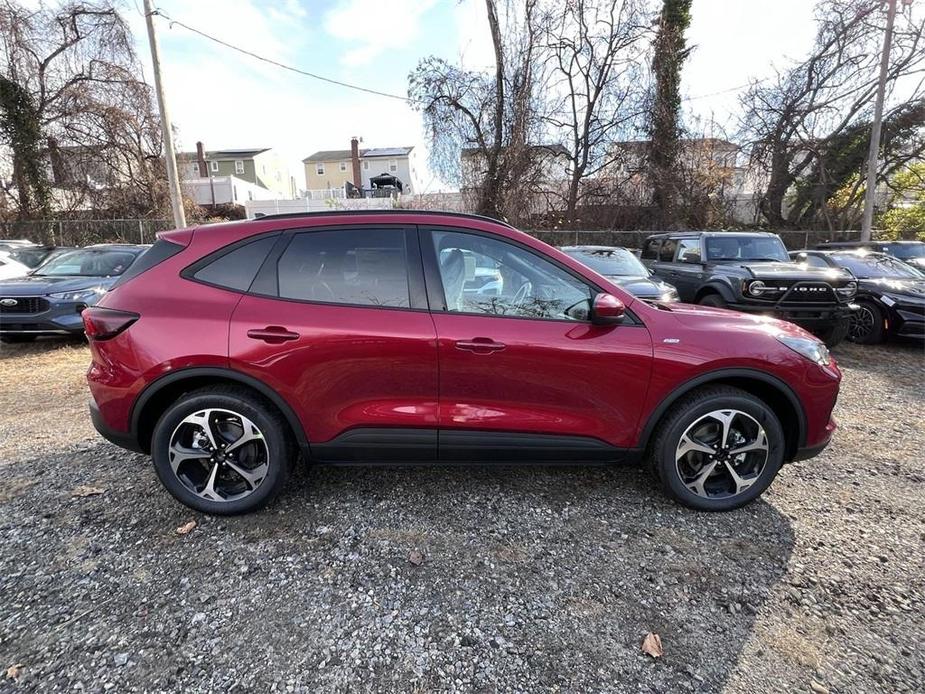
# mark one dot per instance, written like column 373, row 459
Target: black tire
column 866, row 324
column 685, row 413
column 280, row 447
column 835, row 334
column 17, row 339
column 714, row 300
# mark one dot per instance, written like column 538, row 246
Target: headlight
column 84, row 295
column 669, row 294
column 848, row 291
column 808, row 347
column 759, row 288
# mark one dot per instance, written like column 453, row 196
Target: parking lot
column 522, row 579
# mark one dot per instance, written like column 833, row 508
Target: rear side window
column 365, row 267
column 158, row 253
column 237, row 268
column 666, row 254
column 650, row 249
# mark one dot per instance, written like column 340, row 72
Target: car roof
column 375, row 213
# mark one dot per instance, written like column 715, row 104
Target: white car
column 10, row 268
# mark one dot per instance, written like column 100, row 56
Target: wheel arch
column 770, row 389
column 157, row 396
column 715, row 287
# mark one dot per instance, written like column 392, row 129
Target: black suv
column 912, row 252
column 753, row 272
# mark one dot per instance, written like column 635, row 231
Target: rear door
column 337, row 323
column 523, row 372
column 687, row 269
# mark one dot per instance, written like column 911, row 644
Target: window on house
column 365, row 166
column 238, row 166
column 213, row 165
column 343, row 166
column 393, row 165
column 319, row 168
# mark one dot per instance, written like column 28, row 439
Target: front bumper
column 123, row 439
column 56, row 317
column 811, row 315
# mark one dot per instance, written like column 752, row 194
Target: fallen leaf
column 87, row 490
column 13, row 671
column 416, row 557
column 186, row 528
column 652, row 645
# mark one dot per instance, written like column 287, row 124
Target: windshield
column 609, row 261
column 88, row 263
column 906, row 250
column 731, row 247
column 30, row 257
column 879, row 265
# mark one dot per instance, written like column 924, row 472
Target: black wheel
column 717, row 449
column 222, row 450
column 714, row 300
column 866, row 326
column 835, row 334
column 17, row 339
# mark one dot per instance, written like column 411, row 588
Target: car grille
column 23, row 304
column 809, row 292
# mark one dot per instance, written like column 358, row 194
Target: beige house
column 331, row 169
column 260, row 167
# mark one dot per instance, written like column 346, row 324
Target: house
column 260, row 167
column 328, row 170
column 550, row 163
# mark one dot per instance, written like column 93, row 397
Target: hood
column 793, row 271
column 643, row 287
column 918, row 261
column 720, row 320
column 894, row 285
column 35, row 285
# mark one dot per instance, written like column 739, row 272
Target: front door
column 523, row 372
column 336, row 323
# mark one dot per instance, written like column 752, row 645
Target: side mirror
column 607, row 310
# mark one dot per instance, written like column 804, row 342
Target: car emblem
column 8, row 302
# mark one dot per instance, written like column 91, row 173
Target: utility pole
column 173, row 180
column 874, row 152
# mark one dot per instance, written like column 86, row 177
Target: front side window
column 488, row 276
column 666, row 253
column 746, row 248
column 689, row 251
column 364, row 267
column 239, row 166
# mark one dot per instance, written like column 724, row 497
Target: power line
column 278, row 64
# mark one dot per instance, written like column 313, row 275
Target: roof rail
column 349, row 213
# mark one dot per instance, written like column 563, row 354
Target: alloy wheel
column 722, row 454
column 862, row 323
column 219, row 455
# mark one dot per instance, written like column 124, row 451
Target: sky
column 229, row 100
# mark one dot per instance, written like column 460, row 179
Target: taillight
column 104, row 323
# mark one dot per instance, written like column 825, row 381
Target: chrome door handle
column 480, row 345
column 273, row 334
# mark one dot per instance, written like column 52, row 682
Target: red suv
column 354, row 337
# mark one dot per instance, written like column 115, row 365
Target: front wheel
column 714, row 300
column 718, row 449
column 867, row 324
column 222, row 450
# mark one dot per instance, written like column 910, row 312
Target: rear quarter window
column 650, row 249
column 235, row 268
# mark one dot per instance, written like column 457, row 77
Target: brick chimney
column 201, row 160
column 355, row 159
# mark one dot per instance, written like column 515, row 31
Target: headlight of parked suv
column 84, row 295
column 808, row 347
column 669, row 293
column 759, row 288
column 848, row 291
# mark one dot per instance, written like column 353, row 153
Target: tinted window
column 88, row 262
column 906, row 250
column 236, row 269
column 650, row 249
column 876, row 265
column 689, row 251
column 666, row 254
column 609, row 261
column 754, row 248
column 524, row 284
column 367, row 267
column 813, row 261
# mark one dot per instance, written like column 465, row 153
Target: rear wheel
column 718, row 449
column 222, row 450
column 867, row 324
column 714, row 300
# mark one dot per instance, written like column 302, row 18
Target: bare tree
column 596, row 49
column 792, row 120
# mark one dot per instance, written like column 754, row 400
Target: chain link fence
column 794, row 240
column 84, row 232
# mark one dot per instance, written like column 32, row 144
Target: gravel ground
column 529, row 579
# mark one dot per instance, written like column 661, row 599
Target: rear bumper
column 123, row 439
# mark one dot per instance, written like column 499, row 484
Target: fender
column 719, row 285
column 224, row 373
column 719, row 375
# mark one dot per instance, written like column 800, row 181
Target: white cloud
column 374, row 27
